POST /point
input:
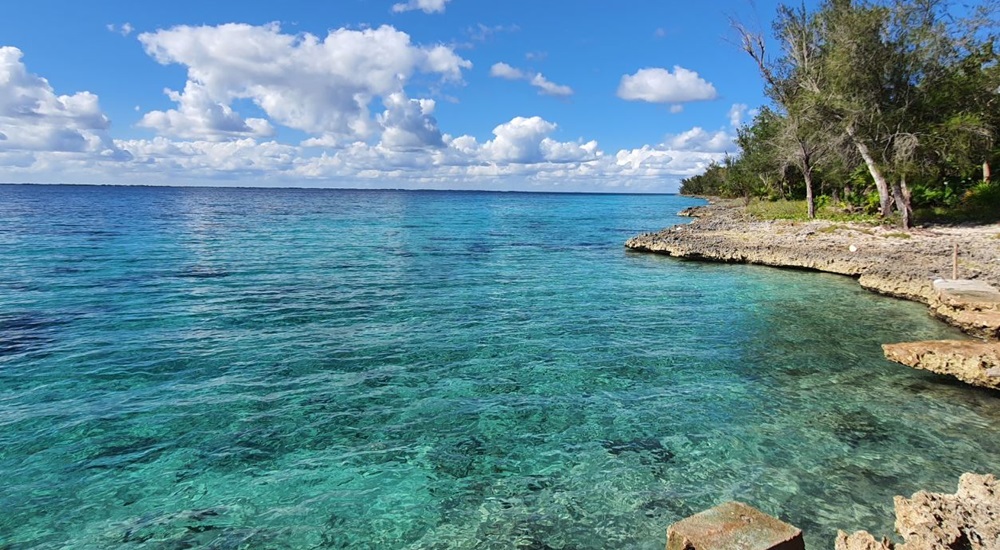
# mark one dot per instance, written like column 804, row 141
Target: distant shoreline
column 884, row 260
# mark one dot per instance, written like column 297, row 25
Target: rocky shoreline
column 919, row 265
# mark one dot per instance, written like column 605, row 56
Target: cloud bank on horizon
column 358, row 106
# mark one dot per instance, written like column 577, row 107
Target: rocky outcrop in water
column 967, row 520
column 974, row 306
column 973, row 362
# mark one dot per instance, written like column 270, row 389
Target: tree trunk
column 986, row 171
column 810, row 201
column 908, row 202
column 901, row 194
column 885, row 204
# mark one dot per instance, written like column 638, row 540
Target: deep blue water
column 239, row 368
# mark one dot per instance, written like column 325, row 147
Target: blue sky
column 520, row 95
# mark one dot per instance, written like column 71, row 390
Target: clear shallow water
column 332, row 369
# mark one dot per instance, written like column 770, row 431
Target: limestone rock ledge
column 968, row 519
column 973, row 306
column 886, row 261
column 973, row 362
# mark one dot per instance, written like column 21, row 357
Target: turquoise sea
column 241, row 368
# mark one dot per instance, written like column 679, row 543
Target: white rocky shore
column 918, row 265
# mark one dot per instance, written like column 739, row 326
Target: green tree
column 793, row 81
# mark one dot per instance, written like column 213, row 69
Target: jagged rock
column 860, row 540
column 733, row 525
column 967, row 520
column 970, row 361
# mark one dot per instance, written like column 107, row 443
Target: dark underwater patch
column 857, row 428
column 203, row 273
column 649, row 449
column 24, row 332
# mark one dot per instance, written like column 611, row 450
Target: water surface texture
column 350, row 369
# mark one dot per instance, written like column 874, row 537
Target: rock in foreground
column 733, row 525
column 968, row 520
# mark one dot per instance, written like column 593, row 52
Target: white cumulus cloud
column 544, row 85
column 65, row 138
column 320, row 86
column 426, row 6
column 519, row 141
column 698, row 139
column 525, row 140
column 35, row 119
column 656, row 85
column 199, row 116
column 408, row 123
column 503, row 70
column 550, row 88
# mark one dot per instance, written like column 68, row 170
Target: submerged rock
column 967, row 520
column 973, row 362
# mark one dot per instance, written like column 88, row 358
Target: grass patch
column 778, row 210
column 797, row 210
column 898, row 235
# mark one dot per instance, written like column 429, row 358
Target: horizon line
column 394, row 189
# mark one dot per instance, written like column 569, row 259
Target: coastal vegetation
column 881, row 108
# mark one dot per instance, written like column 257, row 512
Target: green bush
column 980, row 203
column 924, row 196
column 982, row 196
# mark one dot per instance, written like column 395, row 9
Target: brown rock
column 733, row 526
column 970, row 361
column 967, row 520
column 860, row 540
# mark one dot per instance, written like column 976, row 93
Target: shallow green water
column 337, row 369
